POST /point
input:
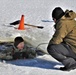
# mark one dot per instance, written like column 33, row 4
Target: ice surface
column 37, row 12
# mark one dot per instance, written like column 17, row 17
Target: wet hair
column 18, row 40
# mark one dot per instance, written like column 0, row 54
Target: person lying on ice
column 18, row 51
column 62, row 46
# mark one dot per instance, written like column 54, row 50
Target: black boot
column 68, row 68
column 63, row 68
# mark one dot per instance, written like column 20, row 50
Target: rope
column 40, row 45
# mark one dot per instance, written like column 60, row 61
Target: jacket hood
column 69, row 14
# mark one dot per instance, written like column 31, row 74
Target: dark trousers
column 62, row 53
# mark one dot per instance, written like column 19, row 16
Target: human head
column 19, row 42
column 57, row 13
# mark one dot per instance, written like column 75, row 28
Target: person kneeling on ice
column 62, row 46
column 18, row 51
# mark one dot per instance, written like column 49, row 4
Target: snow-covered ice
column 37, row 12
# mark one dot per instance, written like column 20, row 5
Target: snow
column 37, row 12
column 42, row 65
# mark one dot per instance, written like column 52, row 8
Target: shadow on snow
column 37, row 62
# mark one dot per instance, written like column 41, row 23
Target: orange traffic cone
column 21, row 25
